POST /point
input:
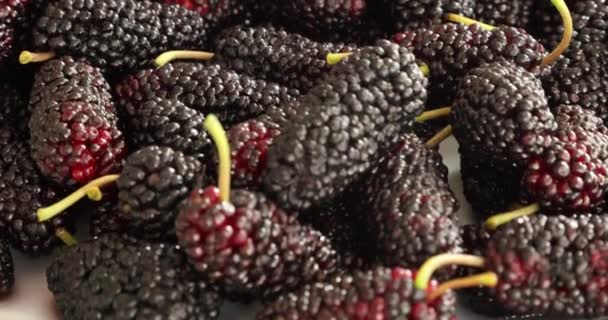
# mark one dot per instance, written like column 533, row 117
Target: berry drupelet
column 451, row 50
column 205, row 88
column 15, row 26
column 152, row 183
column 249, row 143
column 244, row 243
column 410, row 209
column 548, row 264
column 115, row 277
column 580, row 77
column 344, row 125
column 380, row 293
column 115, row 35
column 166, row 122
column 325, row 20
column 503, row 12
column 23, row 193
column 501, row 112
column 7, row 271
column 74, row 129
column 572, row 174
column 551, row 264
column 275, row 55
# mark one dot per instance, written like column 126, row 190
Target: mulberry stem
column 218, row 134
column 486, row 279
column 424, row 68
column 433, row 114
column 424, row 274
column 27, row 57
column 439, row 137
column 567, row 35
column 66, row 237
column 169, row 56
column 91, row 190
column 499, row 219
column 467, row 21
column 335, row 58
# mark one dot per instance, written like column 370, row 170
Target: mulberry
column 115, row 35
column 74, row 129
column 336, row 136
column 381, row 293
column 205, row 88
column 152, row 183
column 275, row 55
column 114, row 277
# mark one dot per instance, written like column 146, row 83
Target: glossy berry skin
column 249, row 247
column 337, row 133
column 166, row 122
column 24, row 191
column 567, row 176
column 74, row 126
column 409, row 208
column 553, row 265
column 249, row 142
column 452, row 50
column 380, row 293
column 117, row 277
column 126, row 34
column 275, row 55
column 501, row 112
column 325, row 20
column 152, row 183
column 232, row 96
column 15, row 26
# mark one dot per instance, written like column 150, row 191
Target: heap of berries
column 287, row 152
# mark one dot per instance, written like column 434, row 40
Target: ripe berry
column 74, row 128
column 244, row 243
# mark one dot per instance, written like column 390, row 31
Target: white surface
column 32, row 301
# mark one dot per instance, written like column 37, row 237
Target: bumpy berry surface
column 166, row 122
column 117, row 34
column 115, row 277
column 409, row 203
column 503, row 12
column 451, row 50
column 588, row 18
column 23, row 192
column 249, row 143
column 381, row 293
column 501, row 111
column 250, row 247
column 324, row 19
column 152, row 183
column 275, row 55
column 339, row 133
column 571, row 174
column 16, row 18
column 205, row 88
column 7, row 270
column 554, row 265
column 580, row 77
column 409, row 14
column 74, row 128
